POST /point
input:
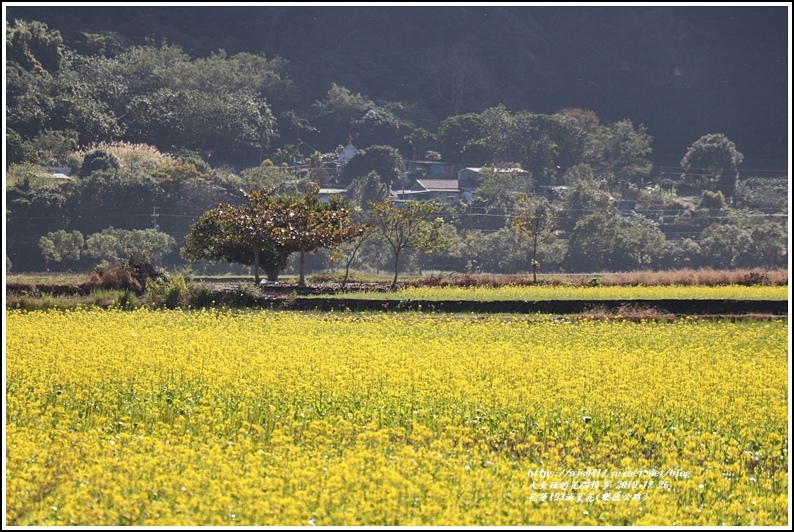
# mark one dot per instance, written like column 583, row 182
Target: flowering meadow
column 282, row 418
column 587, row 293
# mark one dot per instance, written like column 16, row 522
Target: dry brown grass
column 132, row 156
column 113, row 277
column 701, row 277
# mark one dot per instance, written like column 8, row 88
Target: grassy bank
column 37, row 291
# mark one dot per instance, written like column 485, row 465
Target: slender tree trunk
column 350, row 259
column 534, row 260
column 301, row 278
column 347, row 273
column 347, row 267
column 396, row 268
column 256, row 267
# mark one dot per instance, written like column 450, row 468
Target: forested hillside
column 683, row 72
column 633, row 124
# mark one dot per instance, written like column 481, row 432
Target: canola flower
column 264, row 418
column 545, row 293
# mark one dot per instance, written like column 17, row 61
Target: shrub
column 712, row 200
column 755, row 278
column 245, row 295
column 113, row 276
column 175, row 290
column 169, row 290
column 108, row 298
column 98, row 160
column 201, row 295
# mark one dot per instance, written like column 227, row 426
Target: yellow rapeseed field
column 266, row 418
column 550, row 292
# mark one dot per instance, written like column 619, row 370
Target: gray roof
column 439, row 185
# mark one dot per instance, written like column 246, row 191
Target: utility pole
column 154, row 218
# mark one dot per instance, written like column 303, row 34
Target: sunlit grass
column 546, row 293
column 47, row 278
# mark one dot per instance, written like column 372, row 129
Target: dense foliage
column 264, row 231
column 680, row 70
column 156, row 132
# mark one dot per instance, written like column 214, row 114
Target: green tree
column 770, row 245
column 344, row 113
column 217, row 105
column 28, row 100
column 60, row 245
column 711, row 200
column 461, row 140
column 210, row 238
column 502, row 251
column 619, row 151
column 239, row 233
column 98, row 160
column 604, row 241
column 726, row 246
column 308, row 225
column 342, row 107
column 51, row 148
column 46, row 89
column 385, row 161
column 267, row 229
column 683, row 254
column 187, row 190
column 119, row 190
column 584, row 196
column 407, row 226
column 34, row 47
column 713, row 161
column 146, row 245
column 35, row 205
column 365, row 189
column 500, row 190
column 220, row 126
column 381, row 126
column 540, row 143
column 420, row 141
column 588, row 120
column 17, row 149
